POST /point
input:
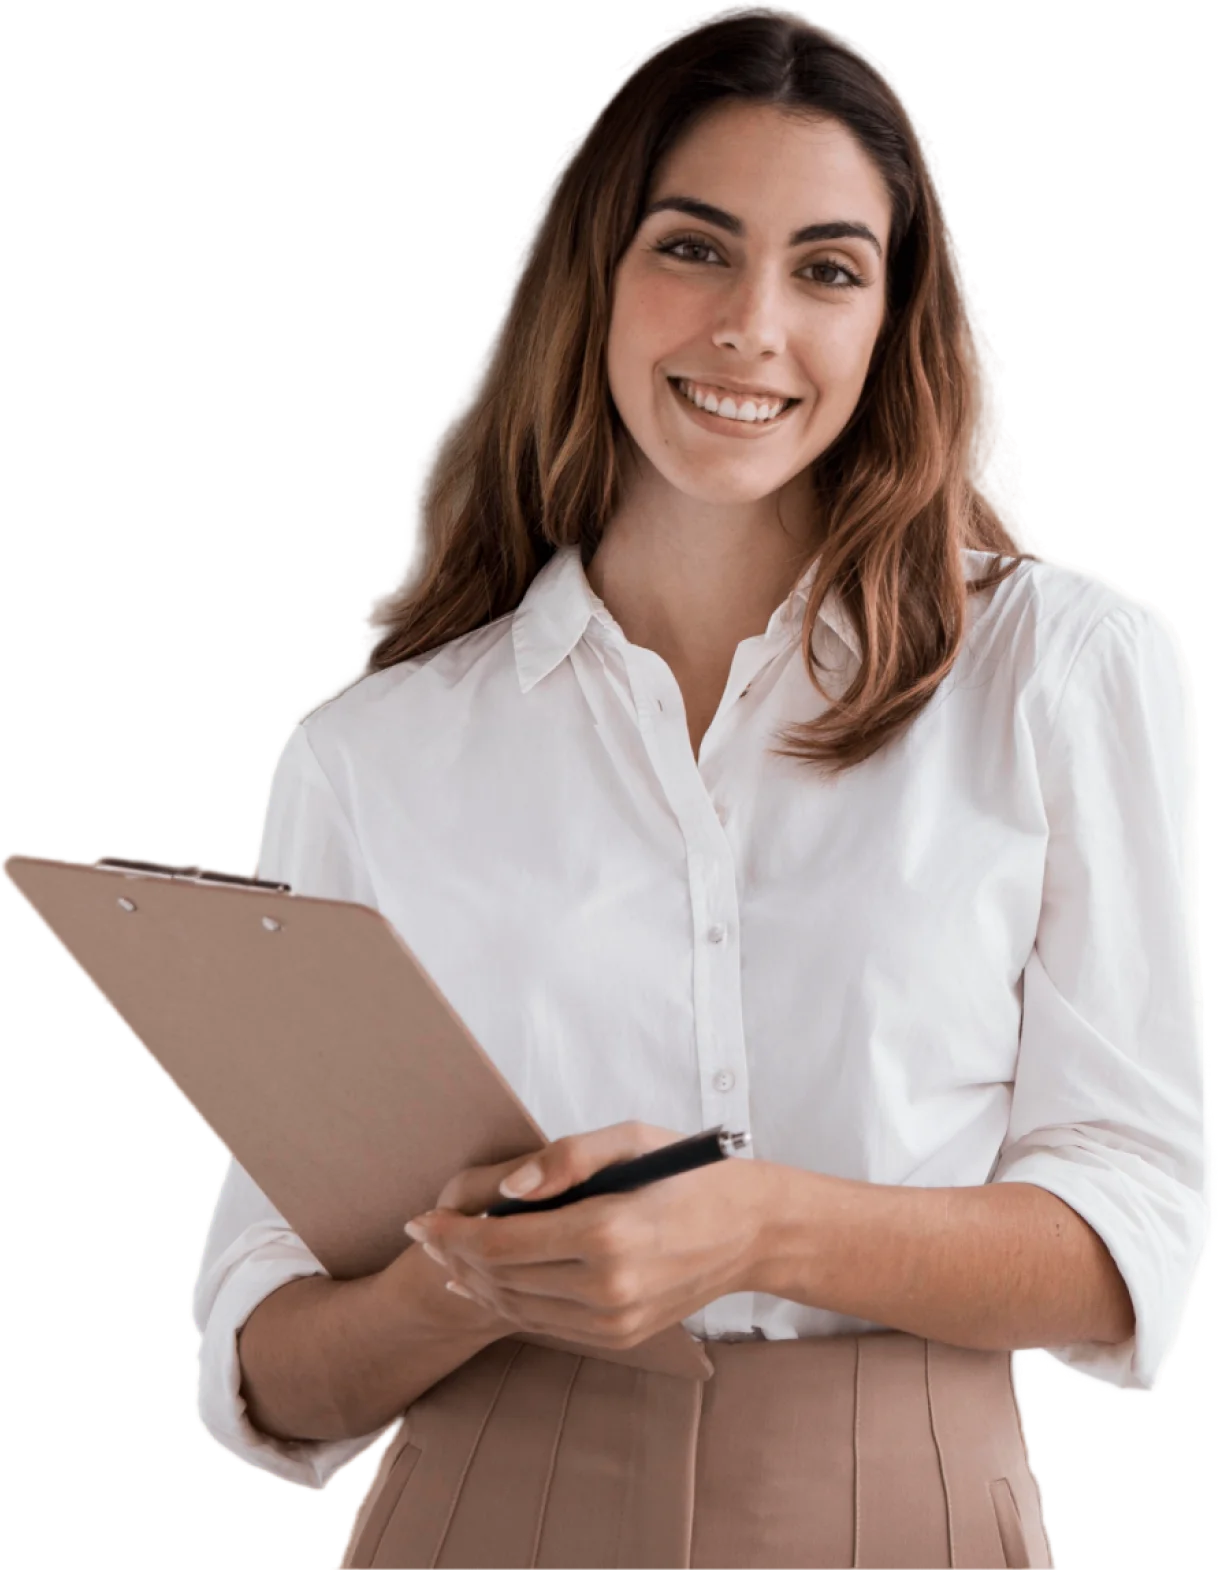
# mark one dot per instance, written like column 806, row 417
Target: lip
column 746, row 430
column 737, row 387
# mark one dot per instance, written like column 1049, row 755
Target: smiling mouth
column 788, row 405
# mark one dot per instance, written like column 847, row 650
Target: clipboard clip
column 192, row 874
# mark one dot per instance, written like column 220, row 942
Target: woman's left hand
column 614, row 1269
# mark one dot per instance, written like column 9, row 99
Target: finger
column 576, row 1157
column 553, row 1316
column 473, row 1189
column 562, row 1281
column 581, row 1233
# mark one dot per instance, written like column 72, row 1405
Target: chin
column 726, row 490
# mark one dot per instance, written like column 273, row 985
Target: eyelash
column 670, row 246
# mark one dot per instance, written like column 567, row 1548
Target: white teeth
column 749, row 411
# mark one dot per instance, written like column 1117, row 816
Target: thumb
column 570, row 1160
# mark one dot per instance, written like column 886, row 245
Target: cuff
column 1153, row 1227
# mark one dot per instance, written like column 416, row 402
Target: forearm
column 326, row 1359
column 997, row 1267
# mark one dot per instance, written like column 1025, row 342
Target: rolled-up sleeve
column 251, row 1250
column 1107, row 1098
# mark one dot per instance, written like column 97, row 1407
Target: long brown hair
column 531, row 464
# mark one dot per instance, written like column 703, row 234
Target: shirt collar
column 556, row 608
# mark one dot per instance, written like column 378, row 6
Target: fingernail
column 522, row 1180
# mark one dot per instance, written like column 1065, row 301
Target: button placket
column 721, row 1045
column 716, row 962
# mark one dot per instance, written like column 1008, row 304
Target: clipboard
column 316, row 1047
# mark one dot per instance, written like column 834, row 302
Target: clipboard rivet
column 271, row 924
column 126, row 904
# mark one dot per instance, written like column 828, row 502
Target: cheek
column 841, row 353
column 653, row 318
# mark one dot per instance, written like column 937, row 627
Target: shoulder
column 411, row 697
column 1042, row 593
column 1061, row 630
column 1045, row 612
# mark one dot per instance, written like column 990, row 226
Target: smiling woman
column 764, row 232
column 717, row 486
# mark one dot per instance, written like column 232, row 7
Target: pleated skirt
column 868, row 1450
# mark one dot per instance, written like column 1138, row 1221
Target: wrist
column 770, row 1195
column 784, row 1198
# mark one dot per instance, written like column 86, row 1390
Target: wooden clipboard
column 313, row 1043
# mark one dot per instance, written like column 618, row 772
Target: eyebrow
column 838, row 229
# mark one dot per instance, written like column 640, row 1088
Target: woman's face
column 725, row 295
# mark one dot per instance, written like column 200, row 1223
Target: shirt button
column 724, row 1080
column 716, row 933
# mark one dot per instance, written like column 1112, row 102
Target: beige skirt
column 877, row 1449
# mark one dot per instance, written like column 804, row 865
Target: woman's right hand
column 470, row 1191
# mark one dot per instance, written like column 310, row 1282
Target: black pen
column 714, row 1144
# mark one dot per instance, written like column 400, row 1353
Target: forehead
column 775, row 169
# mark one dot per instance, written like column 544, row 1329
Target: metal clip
column 192, row 874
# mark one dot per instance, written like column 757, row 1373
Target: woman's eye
column 838, row 267
column 672, row 247
column 847, row 279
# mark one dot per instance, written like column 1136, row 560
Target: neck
column 691, row 580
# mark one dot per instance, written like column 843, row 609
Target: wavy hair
column 532, row 464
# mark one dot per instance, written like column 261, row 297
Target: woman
column 931, row 953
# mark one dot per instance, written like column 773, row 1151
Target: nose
column 752, row 315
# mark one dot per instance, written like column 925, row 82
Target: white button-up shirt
column 964, row 961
